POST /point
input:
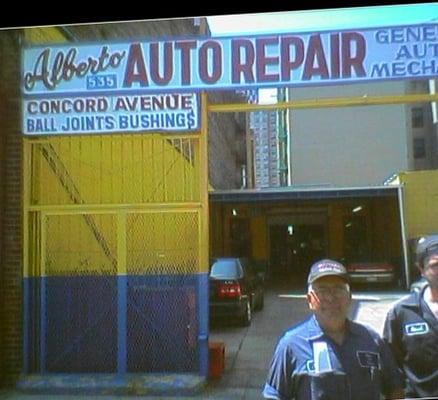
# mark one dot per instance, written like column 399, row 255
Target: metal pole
column 203, row 332
column 326, row 103
column 122, row 283
column 403, row 232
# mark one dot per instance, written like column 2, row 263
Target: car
column 369, row 272
column 418, row 285
column 236, row 290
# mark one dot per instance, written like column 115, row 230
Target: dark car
column 235, row 289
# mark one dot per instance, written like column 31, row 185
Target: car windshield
column 226, row 268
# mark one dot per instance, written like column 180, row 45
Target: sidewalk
column 249, row 350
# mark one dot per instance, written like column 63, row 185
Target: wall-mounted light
column 290, row 230
column 234, row 212
column 357, row 209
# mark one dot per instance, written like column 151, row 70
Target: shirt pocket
column 422, row 351
column 329, row 386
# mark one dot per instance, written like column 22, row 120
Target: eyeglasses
column 338, row 292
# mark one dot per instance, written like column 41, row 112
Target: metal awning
column 301, row 193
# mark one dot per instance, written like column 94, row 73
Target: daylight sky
column 324, row 19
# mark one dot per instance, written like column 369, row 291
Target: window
column 419, row 148
column 417, row 117
column 228, row 268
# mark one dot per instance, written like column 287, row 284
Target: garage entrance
column 285, row 231
column 293, row 248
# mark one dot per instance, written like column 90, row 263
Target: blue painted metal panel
column 163, row 325
column 81, row 324
column 43, row 325
column 121, row 323
column 203, row 332
column 110, row 324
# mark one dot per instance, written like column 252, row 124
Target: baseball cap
column 327, row 267
column 426, row 246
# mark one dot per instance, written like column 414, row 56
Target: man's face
column 330, row 298
column 430, row 269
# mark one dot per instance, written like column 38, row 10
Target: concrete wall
column 426, row 132
column 350, row 146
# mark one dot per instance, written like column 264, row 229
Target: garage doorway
column 295, row 242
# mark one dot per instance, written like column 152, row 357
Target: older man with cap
column 411, row 326
column 327, row 356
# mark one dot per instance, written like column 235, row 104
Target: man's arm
column 278, row 385
column 392, row 372
column 391, row 335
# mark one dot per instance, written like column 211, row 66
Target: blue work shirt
column 309, row 365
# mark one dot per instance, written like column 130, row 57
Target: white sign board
column 133, row 70
column 115, row 113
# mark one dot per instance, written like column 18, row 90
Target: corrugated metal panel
column 421, row 202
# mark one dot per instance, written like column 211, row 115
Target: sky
column 319, row 20
column 323, row 19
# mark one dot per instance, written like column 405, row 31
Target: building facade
column 362, row 145
column 226, row 131
column 268, row 143
column 264, row 129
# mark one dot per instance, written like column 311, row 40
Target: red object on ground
column 216, row 352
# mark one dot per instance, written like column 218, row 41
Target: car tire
column 247, row 315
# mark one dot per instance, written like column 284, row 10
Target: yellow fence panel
column 114, row 169
column 81, row 245
column 163, row 243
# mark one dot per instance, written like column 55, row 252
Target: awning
column 300, row 193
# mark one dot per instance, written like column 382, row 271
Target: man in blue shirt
column 411, row 326
column 327, row 356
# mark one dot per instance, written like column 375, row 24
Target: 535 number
column 101, row 82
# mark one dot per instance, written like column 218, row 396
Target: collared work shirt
column 412, row 332
column 308, row 365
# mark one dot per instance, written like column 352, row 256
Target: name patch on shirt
column 419, row 328
column 368, row 359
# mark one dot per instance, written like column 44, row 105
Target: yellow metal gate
column 115, row 254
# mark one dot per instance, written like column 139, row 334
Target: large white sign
column 99, row 114
column 255, row 61
column 101, row 87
